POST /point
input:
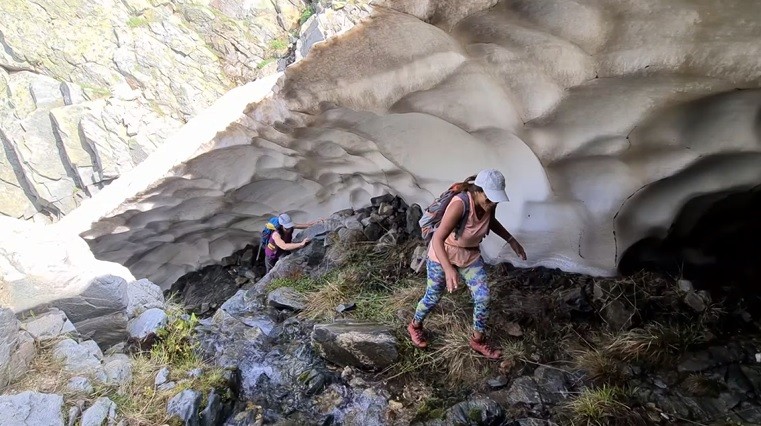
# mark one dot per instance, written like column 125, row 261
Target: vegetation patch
column 601, row 406
column 306, row 14
column 139, row 402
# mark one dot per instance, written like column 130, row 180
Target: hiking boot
column 417, row 335
column 484, row 348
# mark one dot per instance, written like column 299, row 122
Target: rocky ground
column 321, row 340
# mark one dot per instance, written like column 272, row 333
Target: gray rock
column 694, row 301
column 367, row 408
column 118, row 370
column 25, row 352
column 524, row 390
column 195, row 373
column 102, row 411
column 79, row 384
column 166, row 386
column 477, row 411
column 286, row 298
column 184, row 406
column 373, row 231
column 356, row 344
column 106, row 330
column 77, row 358
column 553, row 384
column 9, row 329
column 385, row 209
column 147, row 324
column 685, row 285
column 162, row 376
column 212, row 413
column 695, row 362
column 72, row 93
column 352, row 224
column 142, row 295
column 74, row 413
column 48, row 325
column 385, row 198
column 618, row 315
column 32, row 409
column 497, row 382
column 414, row 214
column 99, row 311
column 419, row 257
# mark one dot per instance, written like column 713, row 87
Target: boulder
column 49, row 325
column 523, row 390
column 79, row 358
column 143, row 329
column 365, row 345
column 103, row 410
column 79, row 384
column 477, row 411
column 22, row 357
column 117, row 370
column 286, row 298
column 206, row 289
column 142, row 295
column 32, row 409
column 161, row 377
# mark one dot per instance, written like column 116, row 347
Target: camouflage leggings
column 474, row 276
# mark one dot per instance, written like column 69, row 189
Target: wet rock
column 576, row 299
column 524, row 390
column 184, row 407
column 286, row 298
column 374, row 231
column 367, row 409
column 553, row 384
column 49, row 325
column 32, row 409
column 102, row 411
column 497, row 382
column 206, row 289
column 414, row 214
column 385, row 198
column 363, row 345
column 478, row 411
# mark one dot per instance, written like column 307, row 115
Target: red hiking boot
column 417, row 335
column 484, row 348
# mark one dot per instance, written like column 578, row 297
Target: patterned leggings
column 475, row 277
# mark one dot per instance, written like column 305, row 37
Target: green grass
column 137, row 21
column 278, row 44
column 306, row 14
column 597, row 406
column 264, row 63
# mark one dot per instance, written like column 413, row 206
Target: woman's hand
column 517, row 248
column 452, row 278
column 305, row 242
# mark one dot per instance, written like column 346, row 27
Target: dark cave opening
column 714, row 241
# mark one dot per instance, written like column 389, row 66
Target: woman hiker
column 279, row 242
column 449, row 256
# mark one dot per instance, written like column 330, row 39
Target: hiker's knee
column 481, row 294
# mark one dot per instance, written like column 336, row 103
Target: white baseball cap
column 493, row 183
column 285, row 221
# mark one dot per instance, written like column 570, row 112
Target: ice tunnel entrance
column 713, row 242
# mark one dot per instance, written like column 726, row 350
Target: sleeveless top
column 465, row 251
column 277, row 252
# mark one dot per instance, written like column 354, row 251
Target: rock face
column 417, row 98
column 93, row 95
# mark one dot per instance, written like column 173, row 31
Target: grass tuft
column 655, row 344
column 598, row 406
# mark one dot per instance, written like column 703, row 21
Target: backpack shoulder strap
column 465, row 213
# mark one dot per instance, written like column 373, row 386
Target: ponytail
column 468, row 185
